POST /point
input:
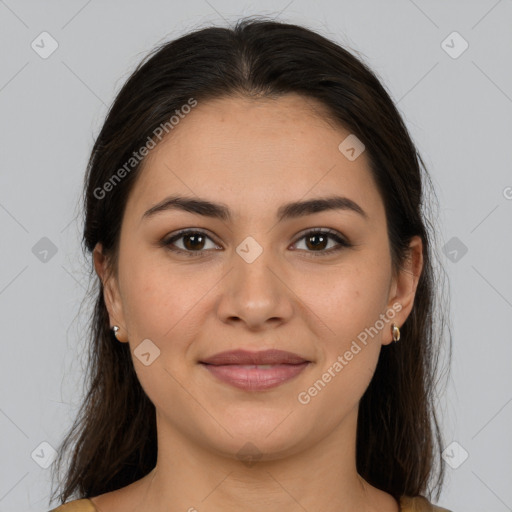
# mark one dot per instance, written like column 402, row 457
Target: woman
column 264, row 333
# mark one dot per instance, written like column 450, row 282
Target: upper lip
column 245, row 357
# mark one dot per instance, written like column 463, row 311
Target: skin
column 194, row 307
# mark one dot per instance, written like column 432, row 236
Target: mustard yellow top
column 417, row 504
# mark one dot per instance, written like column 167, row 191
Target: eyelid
column 326, row 231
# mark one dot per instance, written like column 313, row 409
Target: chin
column 261, row 436
column 250, row 449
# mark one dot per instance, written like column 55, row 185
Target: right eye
column 192, row 244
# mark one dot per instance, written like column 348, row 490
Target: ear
column 403, row 287
column 111, row 293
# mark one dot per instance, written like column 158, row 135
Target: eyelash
column 200, row 253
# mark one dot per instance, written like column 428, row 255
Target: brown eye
column 192, row 242
column 316, row 241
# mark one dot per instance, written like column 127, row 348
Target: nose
column 256, row 293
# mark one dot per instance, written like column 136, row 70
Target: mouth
column 255, row 371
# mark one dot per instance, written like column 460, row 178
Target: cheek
column 353, row 311
column 159, row 306
column 348, row 299
column 348, row 354
column 334, row 392
column 154, row 298
column 166, row 302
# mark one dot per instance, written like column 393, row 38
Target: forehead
column 253, row 151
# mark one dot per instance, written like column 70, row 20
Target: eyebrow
column 287, row 211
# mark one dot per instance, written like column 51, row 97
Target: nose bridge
column 254, row 291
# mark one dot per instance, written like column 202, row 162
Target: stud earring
column 115, row 329
column 396, row 332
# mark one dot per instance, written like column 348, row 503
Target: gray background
column 458, row 110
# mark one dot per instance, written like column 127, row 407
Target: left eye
column 318, row 239
column 193, row 242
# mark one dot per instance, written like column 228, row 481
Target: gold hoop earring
column 396, row 332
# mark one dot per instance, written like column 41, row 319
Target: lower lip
column 255, row 379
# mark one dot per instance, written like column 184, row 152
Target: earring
column 115, row 329
column 396, row 332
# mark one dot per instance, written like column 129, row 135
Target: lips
column 255, row 371
column 244, row 357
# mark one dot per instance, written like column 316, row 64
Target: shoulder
column 419, row 504
column 83, row 505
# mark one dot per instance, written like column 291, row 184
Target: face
column 318, row 284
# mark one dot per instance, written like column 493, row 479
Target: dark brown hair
column 398, row 435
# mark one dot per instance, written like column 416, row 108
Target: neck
column 323, row 477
